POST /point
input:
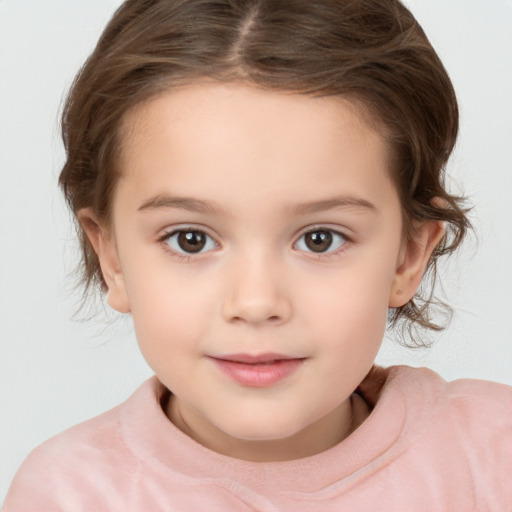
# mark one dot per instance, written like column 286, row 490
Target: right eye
column 190, row 241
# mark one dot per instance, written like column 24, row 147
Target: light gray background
column 56, row 372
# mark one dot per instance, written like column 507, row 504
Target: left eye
column 320, row 241
column 190, row 241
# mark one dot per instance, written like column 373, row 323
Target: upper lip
column 255, row 359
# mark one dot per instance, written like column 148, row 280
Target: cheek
column 166, row 331
column 360, row 283
column 355, row 325
column 352, row 305
column 169, row 309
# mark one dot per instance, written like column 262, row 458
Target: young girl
column 259, row 184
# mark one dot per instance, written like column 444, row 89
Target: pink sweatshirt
column 428, row 445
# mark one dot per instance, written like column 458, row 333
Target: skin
column 255, row 171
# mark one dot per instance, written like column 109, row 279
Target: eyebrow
column 185, row 203
column 200, row 206
column 335, row 202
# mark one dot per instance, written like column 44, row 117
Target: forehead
column 216, row 139
column 201, row 104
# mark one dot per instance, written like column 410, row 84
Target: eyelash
column 330, row 252
column 184, row 256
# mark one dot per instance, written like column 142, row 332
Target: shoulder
column 491, row 400
column 58, row 465
column 453, row 438
column 465, row 425
column 422, row 389
column 477, row 405
column 67, row 465
column 464, row 397
column 480, row 412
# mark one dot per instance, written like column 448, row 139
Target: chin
column 262, row 431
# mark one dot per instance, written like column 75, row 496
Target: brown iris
column 318, row 241
column 191, row 241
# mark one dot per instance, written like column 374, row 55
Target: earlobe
column 105, row 248
column 413, row 261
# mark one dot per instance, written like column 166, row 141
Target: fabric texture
column 428, row 445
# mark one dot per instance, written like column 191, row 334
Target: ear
column 105, row 248
column 413, row 260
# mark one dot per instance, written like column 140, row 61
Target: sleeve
column 485, row 429
column 72, row 472
column 33, row 488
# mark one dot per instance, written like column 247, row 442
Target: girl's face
column 257, row 242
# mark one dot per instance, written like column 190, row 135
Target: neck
column 315, row 438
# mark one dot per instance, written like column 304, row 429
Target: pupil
column 191, row 241
column 319, row 241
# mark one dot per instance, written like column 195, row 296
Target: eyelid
column 344, row 232
column 171, row 230
column 323, row 227
column 174, row 230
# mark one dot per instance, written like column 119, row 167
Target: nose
column 257, row 294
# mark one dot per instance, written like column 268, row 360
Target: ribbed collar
column 150, row 435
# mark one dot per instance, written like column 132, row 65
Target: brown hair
column 372, row 51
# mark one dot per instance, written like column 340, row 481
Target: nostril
column 256, row 308
column 271, row 319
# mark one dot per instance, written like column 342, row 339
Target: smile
column 257, row 371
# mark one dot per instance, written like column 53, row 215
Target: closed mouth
column 258, row 359
column 257, row 371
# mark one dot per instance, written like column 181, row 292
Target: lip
column 258, row 371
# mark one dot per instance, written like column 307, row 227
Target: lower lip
column 259, row 375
